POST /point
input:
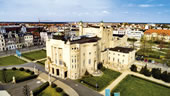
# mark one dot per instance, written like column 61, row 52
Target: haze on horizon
column 89, row 10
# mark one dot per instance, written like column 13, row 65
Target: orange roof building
column 158, row 31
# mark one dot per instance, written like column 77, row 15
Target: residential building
column 119, row 58
column 156, row 34
column 28, row 39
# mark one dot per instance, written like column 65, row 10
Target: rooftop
column 80, row 40
column 158, row 31
column 121, row 49
column 118, row 35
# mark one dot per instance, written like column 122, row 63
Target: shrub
column 21, row 69
column 156, row 73
column 14, row 68
column 28, row 70
column 40, row 89
column 58, row 89
column 86, row 73
column 53, row 85
column 32, row 73
column 4, row 69
column 164, row 76
column 26, row 78
column 133, row 68
column 92, row 85
column 99, row 66
column 65, row 94
column 145, row 71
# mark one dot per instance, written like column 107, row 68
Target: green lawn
column 10, row 73
column 49, row 91
column 134, row 86
column 35, row 55
column 10, row 60
column 102, row 81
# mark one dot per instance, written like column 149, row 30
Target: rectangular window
column 52, row 70
column 89, row 61
column 84, row 62
column 60, row 62
column 57, row 71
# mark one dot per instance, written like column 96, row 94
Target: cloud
column 150, row 5
column 145, row 5
column 105, row 12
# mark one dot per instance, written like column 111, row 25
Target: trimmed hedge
column 32, row 73
column 53, row 85
column 21, row 69
column 92, row 85
column 4, row 69
column 58, row 89
column 26, row 78
column 40, row 89
column 65, row 94
column 28, row 70
column 14, row 68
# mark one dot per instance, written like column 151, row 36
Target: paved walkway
column 23, row 58
column 115, row 82
column 151, row 65
column 40, row 60
column 23, row 50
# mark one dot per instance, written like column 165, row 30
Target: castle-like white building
column 72, row 56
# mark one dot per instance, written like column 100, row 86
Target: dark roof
column 94, row 26
column 85, row 40
column 118, row 35
column 78, row 41
column 121, row 49
column 74, row 29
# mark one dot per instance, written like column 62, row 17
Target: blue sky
column 86, row 10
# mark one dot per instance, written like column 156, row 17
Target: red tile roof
column 158, row 31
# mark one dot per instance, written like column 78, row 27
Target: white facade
column 119, row 57
column 28, row 39
column 135, row 34
column 71, row 59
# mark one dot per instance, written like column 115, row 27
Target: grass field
column 10, row 60
column 10, row 73
column 35, row 55
column 102, row 81
column 134, row 86
column 49, row 91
